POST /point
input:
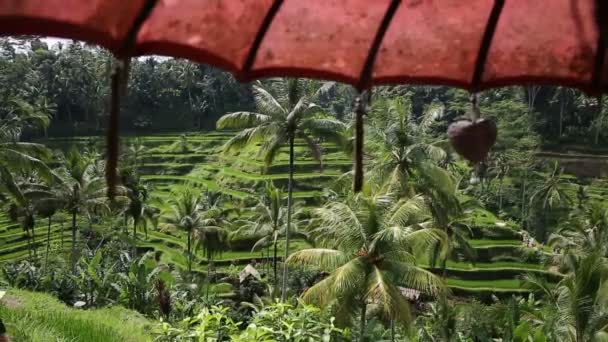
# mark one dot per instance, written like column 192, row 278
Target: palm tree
column 212, row 236
column 267, row 221
column 583, row 232
column 139, row 207
column 26, row 201
column 580, row 298
column 47, row 208
column 406, row 158
column 16, row 155
column 548, row 195
column 83, row 189
column 285, row 112
column 186, row 215
column 369, row 244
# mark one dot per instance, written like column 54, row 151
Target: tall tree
column 83, row 188
column 549, row 196
column 268, row 221
column 186, row 215
column 369, row 243
column 286, row 111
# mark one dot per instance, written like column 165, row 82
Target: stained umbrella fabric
column 472, row 44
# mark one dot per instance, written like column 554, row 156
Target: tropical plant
column 95, row 280
column 186, row 215
column 84, row 191
column 406, row 156
column 26, row 199
column 369, row 244
column 285, row 112
column 583, row 232
column 268, row 222
column 139, row 207
column 548, row 197
column 581, row 299
column 136, row 285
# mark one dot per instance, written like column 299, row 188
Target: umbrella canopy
column 473, row 44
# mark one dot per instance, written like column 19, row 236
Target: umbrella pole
column 360, row 113
column 118, row 88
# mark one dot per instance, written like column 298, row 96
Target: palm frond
column 266, row 103
column 323, row 258
column 382, row 291
column 240, row 120
column 414, row 277
column 407, row 211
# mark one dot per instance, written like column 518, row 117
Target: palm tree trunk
column 360, row 112
column 444, row 268
column 392, row 330
column 289, row 204
column 34, row 242
column 189, row 255
column 274, row 263
column 208, row 278
column 523, row 199
column 500, row 182
column 73, row 241
column 134, row 229
column 29, row 244
column 48, row 243
column 362, row 323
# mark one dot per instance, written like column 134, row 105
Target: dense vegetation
column 234, row 219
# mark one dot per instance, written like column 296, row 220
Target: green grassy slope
column 38, row 317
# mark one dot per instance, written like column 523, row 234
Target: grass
column 494, row 265
column 488, row 243
column 35, row 317
column 487, row 285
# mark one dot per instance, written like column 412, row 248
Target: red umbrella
column 473, row 44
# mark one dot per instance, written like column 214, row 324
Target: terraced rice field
column 171, row 162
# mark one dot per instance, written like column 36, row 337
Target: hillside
column 37, row 317
column 171, row 162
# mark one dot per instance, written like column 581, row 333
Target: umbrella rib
column 486, row 41
column 366, row 73
column 259, row 37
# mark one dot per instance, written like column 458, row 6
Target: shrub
column 277, row 322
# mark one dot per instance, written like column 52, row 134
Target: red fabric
column 427, row 41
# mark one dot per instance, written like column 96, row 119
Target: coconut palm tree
column 285, row 112
column 369, row 244
column 47, row 207
column 212, row 236
column 267, row 222
column 26, row 199
column 139, row 206
column 405, row 157
column 548, row 195
column 83, row 190
column 186, row 215
column 579, row 299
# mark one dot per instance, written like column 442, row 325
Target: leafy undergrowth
column 31, row 316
